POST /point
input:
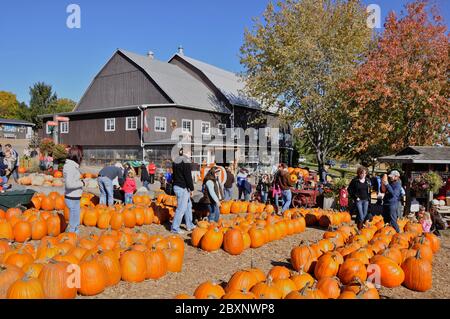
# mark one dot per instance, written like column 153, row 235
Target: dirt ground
column 200, row 266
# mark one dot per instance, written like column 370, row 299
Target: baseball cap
column 435, row 202
column 394, row 173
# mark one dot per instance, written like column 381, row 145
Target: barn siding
column 119, row 84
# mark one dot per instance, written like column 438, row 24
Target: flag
column 146, row 127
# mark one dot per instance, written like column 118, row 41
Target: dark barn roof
column 15, row 122
column 420, row 155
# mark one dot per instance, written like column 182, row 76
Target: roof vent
column 180, row 50
column 151, row 55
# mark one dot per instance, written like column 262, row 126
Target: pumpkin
column 47, row 203
column 6, row 230
column 92, row 277
column 266, row 290
column 57, row 174
column 418, row 273
column 352, row 268
column 55, row 278
column 212, row 240
column 391, row 274
column 257, row 237
column 330, row 287
column 174, row 258
column 19, row 258
column 241, row 280
column 286, row 286
column 156, row 264
column 38, row 229
column 209, row 290
column 111, row 264
column 279, row 272
column 302, row 279
column 306, row 293
column 55, row 223
column 243, row 294
column 8, row 275
column 129, row 218
column 22, row 231
column 26, row 288
column 327, row 266
column 133, row 265
column 434, row 241
column 233, row 242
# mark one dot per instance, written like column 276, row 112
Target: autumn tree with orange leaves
column 400, row 95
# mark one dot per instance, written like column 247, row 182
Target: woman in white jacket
column 73, row 186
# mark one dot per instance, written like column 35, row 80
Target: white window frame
column 165, row 124
column 106, row 125
column 237, row 133
column 61, row 125
column 127, row 127
column 209, row 128
column 47, row 129
column 182, row 126
column 220, row 128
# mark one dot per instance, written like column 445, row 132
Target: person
column 169, row 179
column 212, row 194
column 276, row 190
column 228, row 186
column 359, row 192
column 145, row 177
column 129, row 187
column 263, row 188
column 283, row 181
column 3, row 178
column 391, row 198
column 105, row 182
column 438, row 223
column 183, row 187
column 162, row 181
column 126, row 169
column 14, row 171
column 151, row 172
column 424, row 218
column 240, row 182
column 73, row 187
column 323, row 175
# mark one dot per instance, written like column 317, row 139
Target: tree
column 400, row 95
column 63, row 105
column 296, row 59
column 9, row 106
column 42, row 99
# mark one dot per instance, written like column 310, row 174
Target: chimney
column 180, row 50
column 151, row 55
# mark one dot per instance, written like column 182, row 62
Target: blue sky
column 36, row 44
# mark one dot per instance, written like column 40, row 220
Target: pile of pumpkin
column 60, row 267
column 325, row 218
column 36, row 179
column 295, row 173
column 238, row 234
column 244, row 207
column 345, row 264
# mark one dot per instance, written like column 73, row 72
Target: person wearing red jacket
column 129, row 187
column 151, row 172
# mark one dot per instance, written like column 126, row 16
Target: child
column 424, row 219
column 263, row 188
column 129, row 187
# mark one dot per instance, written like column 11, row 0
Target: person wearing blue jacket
column 391, row 199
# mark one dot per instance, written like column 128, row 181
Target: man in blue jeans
column 183, row 186
column 285, row 185
column 105, row 182
column 391, row 199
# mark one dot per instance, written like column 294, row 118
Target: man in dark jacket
column 228, row 186
column 145, row 177
column 285, row 185
column 105, row 182
column 391, row 199
column 183, row 186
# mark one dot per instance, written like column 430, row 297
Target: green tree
column 9, row 106
column 63, row 105
column 296, row 58
column 42, row 99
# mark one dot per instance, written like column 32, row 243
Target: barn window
column 160, row 124
column 110, row 125
column 131, row 123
